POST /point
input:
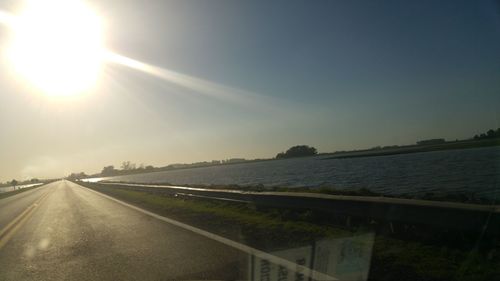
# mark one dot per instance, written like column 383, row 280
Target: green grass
column 459, row 197
column 217, row 216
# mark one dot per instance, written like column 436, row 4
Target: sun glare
column 57, row 46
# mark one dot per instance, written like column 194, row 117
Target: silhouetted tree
column 126, row 166
column 108, row 171
column 298, row 151
column 77, row 176
column 14, row 182
column 281, row 155
column 490, row 134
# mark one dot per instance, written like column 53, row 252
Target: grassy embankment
column 460, row 197
column 403, row 255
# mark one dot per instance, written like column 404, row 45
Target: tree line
column 297, row 151
column 490, row 134
column 128, row 167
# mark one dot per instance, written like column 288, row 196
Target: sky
column 261, row 76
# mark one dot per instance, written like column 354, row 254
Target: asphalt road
column 63, row 231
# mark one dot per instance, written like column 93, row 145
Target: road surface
column 63, row 231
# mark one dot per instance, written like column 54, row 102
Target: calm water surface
column 469, row 170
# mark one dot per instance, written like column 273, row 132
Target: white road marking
column 247, row 249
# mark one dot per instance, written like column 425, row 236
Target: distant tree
column 126, row 166
column 77, row 176
column 490, row 134
column 14, row 182
column 281, row 155
column 298, row 151
column 108, row 170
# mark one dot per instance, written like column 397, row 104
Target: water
column 12, row 188
column 461, row 171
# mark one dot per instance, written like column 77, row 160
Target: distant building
column 235, row 160
column 431, row 141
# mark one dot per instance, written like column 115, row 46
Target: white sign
column 345, row 258
column 264, row 270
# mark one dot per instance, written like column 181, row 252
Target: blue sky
column 333, row 74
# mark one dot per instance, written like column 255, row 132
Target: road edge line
column 309, row 272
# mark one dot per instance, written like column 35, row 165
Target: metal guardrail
column 442, row 214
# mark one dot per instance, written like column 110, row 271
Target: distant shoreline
column 467, row 144
column 461, row 144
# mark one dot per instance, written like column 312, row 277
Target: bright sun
column 57, row 46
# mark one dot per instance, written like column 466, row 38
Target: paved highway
column 63, row 231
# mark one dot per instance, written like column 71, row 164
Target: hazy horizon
column 117, row 165
column 254, row 79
